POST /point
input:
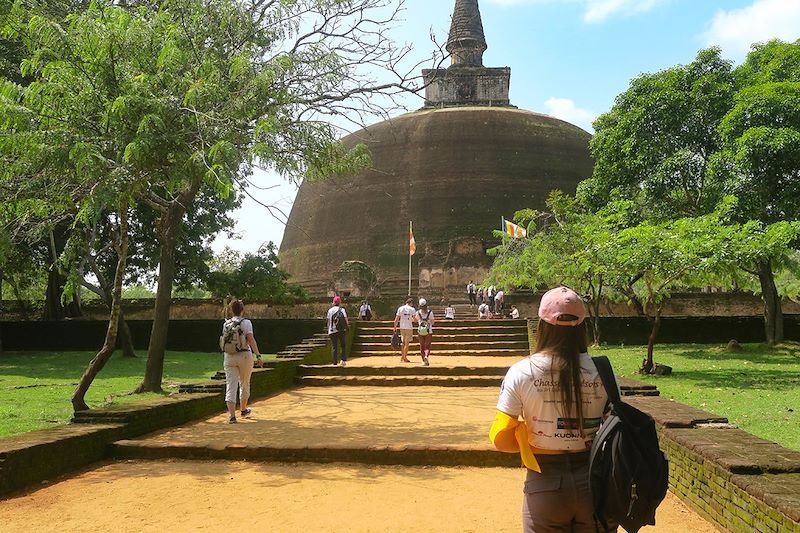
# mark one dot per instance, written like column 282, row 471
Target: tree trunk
column 125, row 341
column 166, row 274
column 54, row 309
column 773, row 313
column 102, row 357
column 648, row 365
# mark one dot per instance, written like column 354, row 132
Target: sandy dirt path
column 134, row 496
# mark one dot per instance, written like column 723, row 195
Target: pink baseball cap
column 562, row 301
column 337, row 300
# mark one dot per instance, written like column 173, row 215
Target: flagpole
column 410, row 233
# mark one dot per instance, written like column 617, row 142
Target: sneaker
column 425, row 361
column 246, row 412
column 343, row 363
column 232, row 420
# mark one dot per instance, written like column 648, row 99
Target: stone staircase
column 451, row 376
column 450, row 338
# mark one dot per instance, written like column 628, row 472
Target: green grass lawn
column 35, row 388
column 757, row 388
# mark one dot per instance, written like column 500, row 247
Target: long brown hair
column 565, row 344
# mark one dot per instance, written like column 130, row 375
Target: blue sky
column 568, row 58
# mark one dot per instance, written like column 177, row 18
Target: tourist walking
column 499, row 301
column 365, row 311
column 490, row 292
column 560, row 396
column 337, row 331
column 449, row 312
column 403, row 320
column 481, row 295
column 425, row 318
column 472, row 293
column 239, row 345
column 483, row 311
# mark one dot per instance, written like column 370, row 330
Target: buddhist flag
column 412, row 244
column 511, row 229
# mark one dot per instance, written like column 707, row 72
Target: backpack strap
column 607, row 375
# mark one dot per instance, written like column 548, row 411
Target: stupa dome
column 454, row 172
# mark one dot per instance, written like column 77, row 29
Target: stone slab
column 736, row 450
column 671, row 414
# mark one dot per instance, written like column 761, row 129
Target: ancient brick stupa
column 453, row 168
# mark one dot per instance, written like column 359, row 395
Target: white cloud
column 735, row 30
column 565, row 109
column 600, row 10
column 595, row 10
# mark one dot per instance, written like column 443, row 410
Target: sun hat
column 559, row 302
column 423, row 302
column 337, row 300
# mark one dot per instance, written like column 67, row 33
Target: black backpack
column 628, row 472
column 338, row 320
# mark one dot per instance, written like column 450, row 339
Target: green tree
column 678, row 141
column 162, row 96
column 566, row 245
column 760, row 159
column 656, row 144
column 254, row 277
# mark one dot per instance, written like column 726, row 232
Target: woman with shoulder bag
column 559, row 396
column 425, row 320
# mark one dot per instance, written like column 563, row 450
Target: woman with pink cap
column 550, row 407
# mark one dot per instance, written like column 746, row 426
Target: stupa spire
column 466, row 42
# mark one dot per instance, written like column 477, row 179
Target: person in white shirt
column 560, row 396
column 337, row 330
column 483, row 311
column 499, row 300
column 403, row 320
column 425, row 320
column 449, row 312
column 472, row 293
column 365, row 311
column 239, row 365
column 514, row 312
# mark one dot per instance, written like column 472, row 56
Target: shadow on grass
column 788, row 353
column 772, row 380
column 71, row 365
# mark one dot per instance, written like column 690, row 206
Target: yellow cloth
column 504, row 423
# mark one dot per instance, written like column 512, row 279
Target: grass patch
column 757, row 388
column 36, row 387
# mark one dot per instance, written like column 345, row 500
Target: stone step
column 404, row 455
column 454, row 330
column 448, row 337
column 427, row 376
column 400, row 381
column 410, row 370
column 442, row 345
column 457, row 323
column 499, row 352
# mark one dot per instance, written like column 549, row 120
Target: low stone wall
column 740, row 482
column 33, row 457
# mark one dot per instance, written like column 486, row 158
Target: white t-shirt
column 406, row 312
column 530, row 389
column 426, row 317
column 450, row 312
column 363, row 310
column 515, row 313
column 332, row 311
column 499, row 296
column 483, row 311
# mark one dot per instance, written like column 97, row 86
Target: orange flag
column 412, row 244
